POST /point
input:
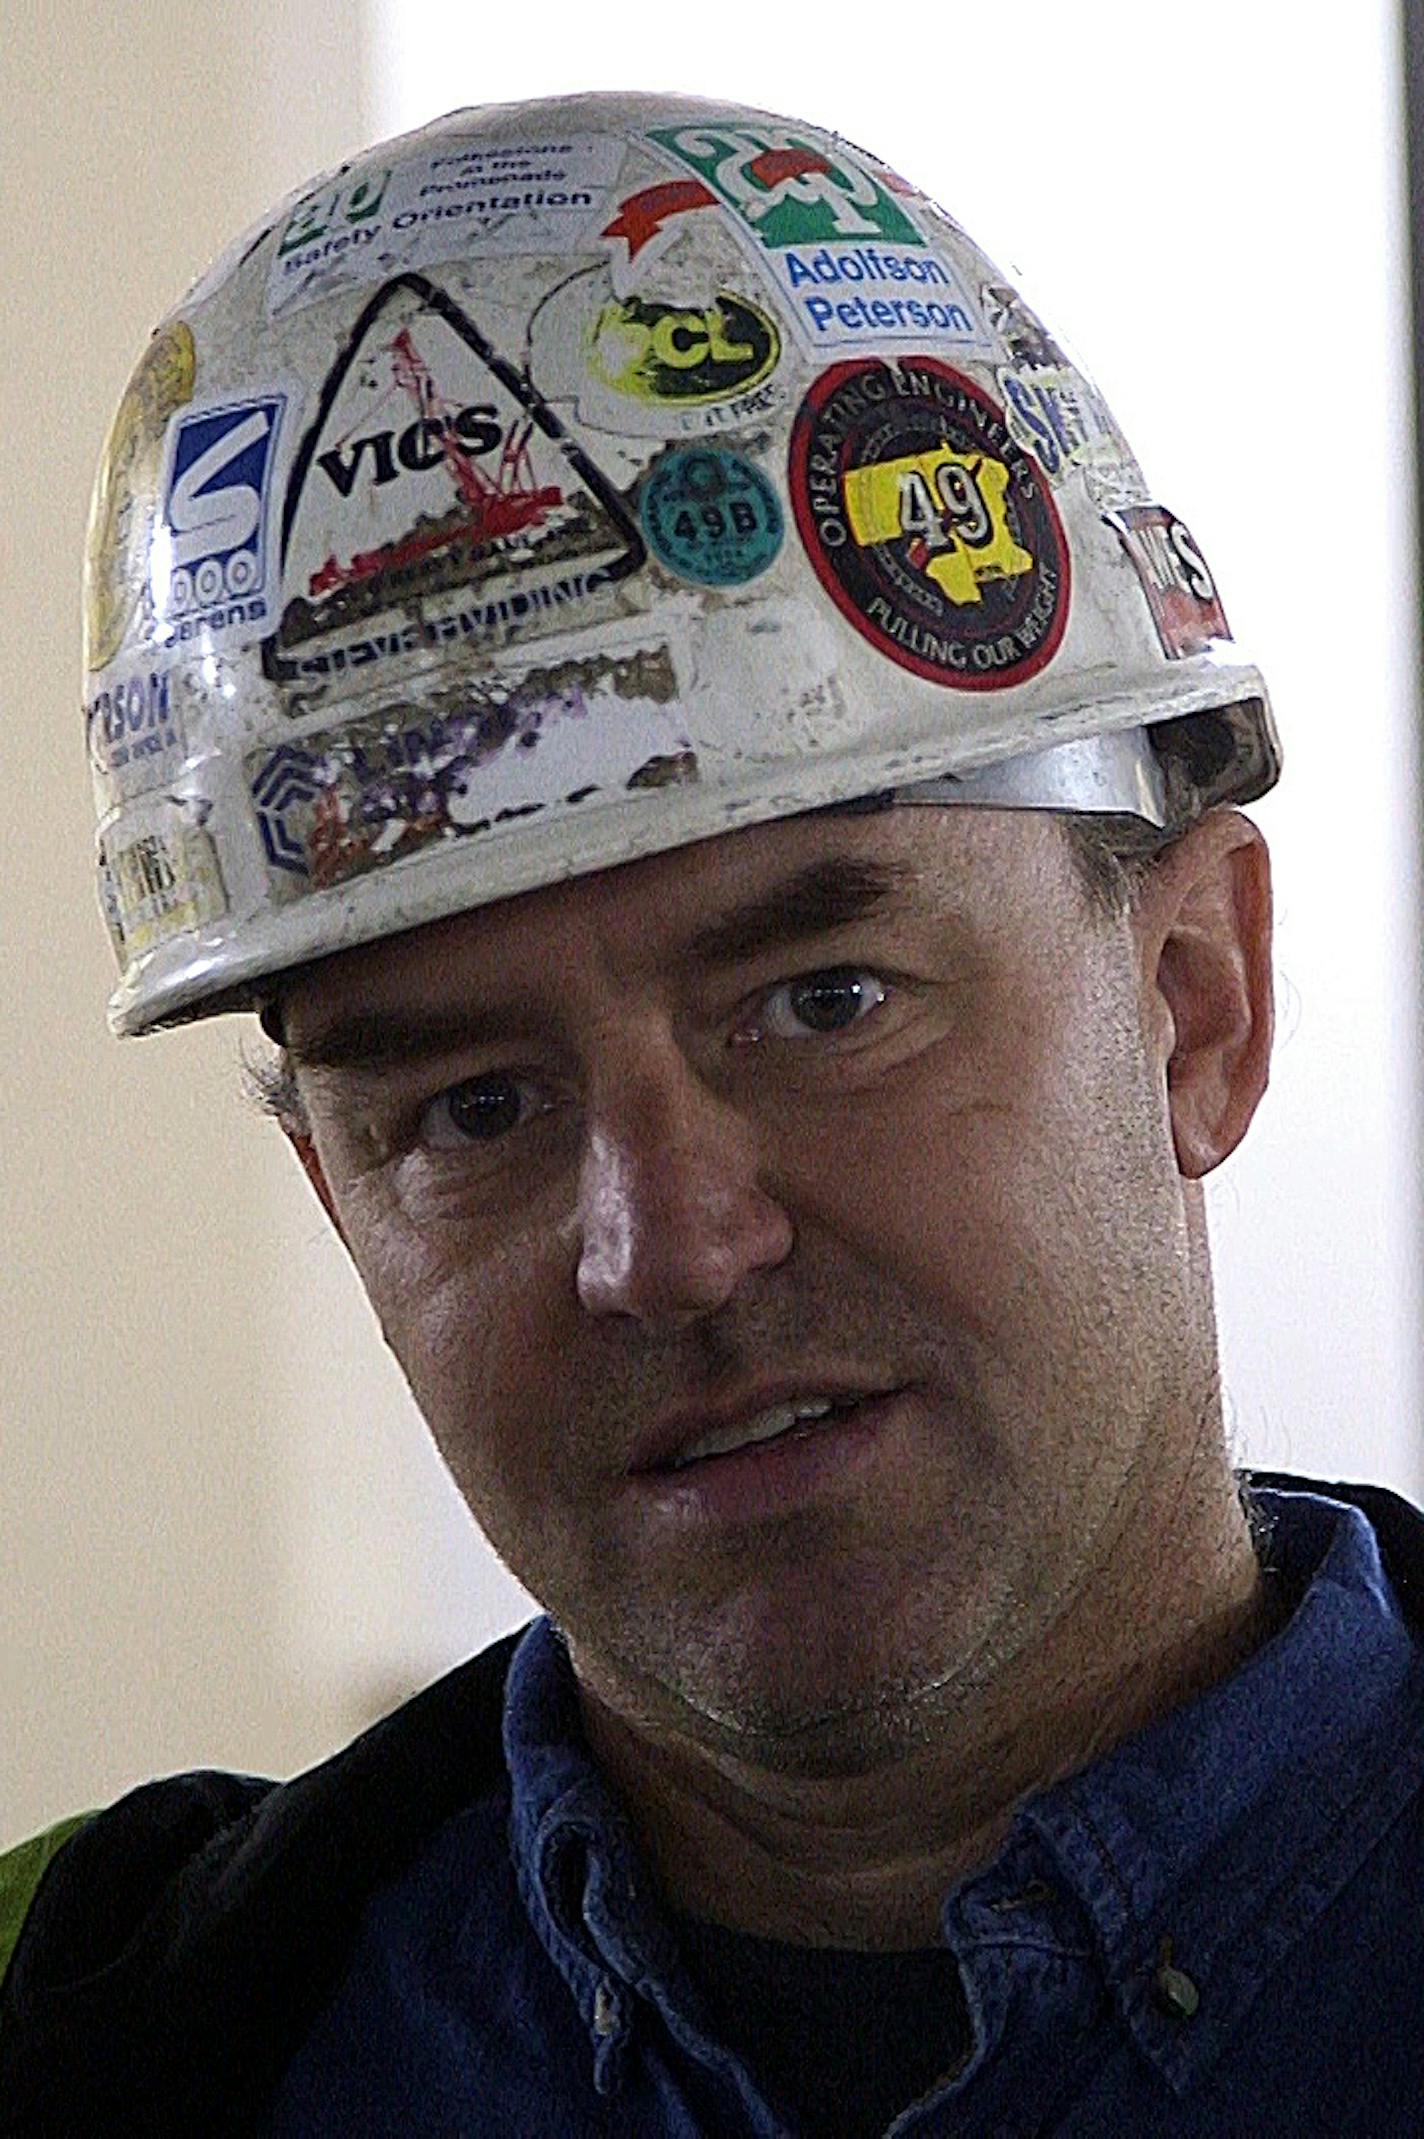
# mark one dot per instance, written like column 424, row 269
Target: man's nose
column 672, row 1214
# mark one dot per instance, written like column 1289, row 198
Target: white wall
column 140, row 1486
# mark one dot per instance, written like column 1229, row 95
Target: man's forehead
column 712, row 903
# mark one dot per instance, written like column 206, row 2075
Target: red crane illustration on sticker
column 494, row 507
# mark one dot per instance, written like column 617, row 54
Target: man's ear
column 1203, row 926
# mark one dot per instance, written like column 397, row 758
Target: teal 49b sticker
column 711, row 516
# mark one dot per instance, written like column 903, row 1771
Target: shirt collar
column 577, row 1863
column 1225, row 1828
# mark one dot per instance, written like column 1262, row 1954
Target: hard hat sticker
column 852, row 264
column 1175, row 577
column 842, row 297
column 337, row 804
column 132, row 728
column 682, row 356
column 210, row 575
column 649, row 220
column 126, row 493
column 1053, row 411
column 643, row 366
column 462, row 200
column 927, row 523
column 158, row 879
column 711, row 516
column 788, row 187
column 436, row 484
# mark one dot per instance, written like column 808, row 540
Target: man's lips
column 671, row 1440
column 807, row 1466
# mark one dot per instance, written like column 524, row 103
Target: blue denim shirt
column 1216, row 1929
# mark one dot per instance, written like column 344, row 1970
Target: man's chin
column 837, row 1696
column 803, row 1730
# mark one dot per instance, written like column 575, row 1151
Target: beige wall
column 141, row 1443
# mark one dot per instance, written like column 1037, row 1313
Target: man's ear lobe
column 1207, row 954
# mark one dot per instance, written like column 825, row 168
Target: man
column 668, row 692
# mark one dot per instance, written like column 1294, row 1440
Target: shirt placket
column 617, row 1958
column 1037, row 1999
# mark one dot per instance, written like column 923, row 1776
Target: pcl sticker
column 435, row 498
column 928, row 525
column 215, row 498
column 126, row 494
column 644, row 367
column 711, row 516
column 1176, row 580
column 339, row 804
column 853, row 265
column 683, row 356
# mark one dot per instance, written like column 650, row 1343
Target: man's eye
column 820, row 1004
column 479, row 1111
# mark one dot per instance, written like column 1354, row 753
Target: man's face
column 600, row 1162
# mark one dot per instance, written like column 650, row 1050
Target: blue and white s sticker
column 211, row 551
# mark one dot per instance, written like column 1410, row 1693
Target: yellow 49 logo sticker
column 928, row 524
column 950, row 506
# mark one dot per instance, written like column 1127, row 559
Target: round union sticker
column 928, row 524
column 711, row 515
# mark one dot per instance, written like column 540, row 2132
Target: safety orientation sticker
column 464, row 199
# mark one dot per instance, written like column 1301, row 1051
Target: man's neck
column 866, row 1861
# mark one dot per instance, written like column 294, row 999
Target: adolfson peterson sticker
column 928, row 524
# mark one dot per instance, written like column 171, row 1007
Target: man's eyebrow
column 828, row 895
column 385, row 1039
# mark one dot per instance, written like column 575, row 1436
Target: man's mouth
column 771, row 1462
column 778, row 1422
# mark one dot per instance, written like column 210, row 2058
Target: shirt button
column 605, row 2010
column 1173, row 1989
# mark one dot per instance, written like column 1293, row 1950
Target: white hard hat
column 568, row 481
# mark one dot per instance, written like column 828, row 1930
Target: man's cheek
column 492, row 1397
column 405, row 1264
column 446, row 1333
